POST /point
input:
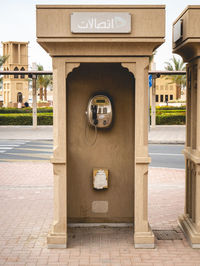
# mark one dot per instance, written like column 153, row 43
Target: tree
column 3, row 59
column 47, row 81
column 43, row 81
column 180, row 80
column 40, row 81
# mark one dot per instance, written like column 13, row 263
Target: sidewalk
column 26, row 132
column 159, row 134
column 26, row 211
column 167, row 134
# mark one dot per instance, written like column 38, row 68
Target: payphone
column 99, row 115
column 99, row 111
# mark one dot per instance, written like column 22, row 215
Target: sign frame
column 100, row 22
column 178, row 30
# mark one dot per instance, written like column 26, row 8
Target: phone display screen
column 100, row 101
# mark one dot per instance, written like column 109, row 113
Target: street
column 25, row 150
column 163, row 155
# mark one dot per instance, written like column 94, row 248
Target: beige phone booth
column 100, row 157
column 186, row 42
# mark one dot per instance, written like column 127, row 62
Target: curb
column 179, row 142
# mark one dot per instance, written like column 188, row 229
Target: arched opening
column 16, row 69
column 22, row 76
column 19, row 97
column 112, row 149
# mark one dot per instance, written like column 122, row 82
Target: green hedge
column 175, row 119
column 4, row 110
column 170, row 107
column 47, row 119
column 25, row 119
column 170, row 112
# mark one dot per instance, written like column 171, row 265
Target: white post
column 34, row 100
column 153, row 105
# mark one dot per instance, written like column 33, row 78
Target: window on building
column 166, row 98
column 19, row 97
column 16, row 69
column 161, row 98
column 5, row 76
column 22, row 76
column 7, row 70
column 157, row 98
column 171, row 97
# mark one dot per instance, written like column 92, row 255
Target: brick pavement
column 26, row 209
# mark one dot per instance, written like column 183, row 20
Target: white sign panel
column 178, row 32
column 100, row 22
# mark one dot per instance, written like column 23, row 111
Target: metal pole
column 34, row 100
column 153, row 105
column 149, row 92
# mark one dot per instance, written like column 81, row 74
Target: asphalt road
column 25, row 150
column 162, row 155
column 170, row 156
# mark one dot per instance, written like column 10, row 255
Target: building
column 166, row 91
column 186, row 43
column 15, row 88
column 100, row 63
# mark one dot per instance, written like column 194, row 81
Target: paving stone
column 26, row 217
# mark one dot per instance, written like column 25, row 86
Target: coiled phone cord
column 87, row 125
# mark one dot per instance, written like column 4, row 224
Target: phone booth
column 186, row 43
column 100, row 73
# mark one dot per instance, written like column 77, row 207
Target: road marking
column 9, row 145
column 166, row 154
column 6, row 148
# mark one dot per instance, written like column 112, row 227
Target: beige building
column 15, row 88
column 100, row 65
column 186, row 43
column 166, row 91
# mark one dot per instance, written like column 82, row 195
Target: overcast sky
column 18, row 23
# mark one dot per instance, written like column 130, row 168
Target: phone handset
column 94, row 114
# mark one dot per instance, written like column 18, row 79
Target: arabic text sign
column 100, row 22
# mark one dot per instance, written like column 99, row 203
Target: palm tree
column 180, row 80
column 47, row 81
column 3, row 59
column 40, row 81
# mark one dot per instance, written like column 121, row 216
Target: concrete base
column 147, row 246
column 100, row 224
column 57, row 240
column 144, row 239
column 57, row 246
column 188, row 228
